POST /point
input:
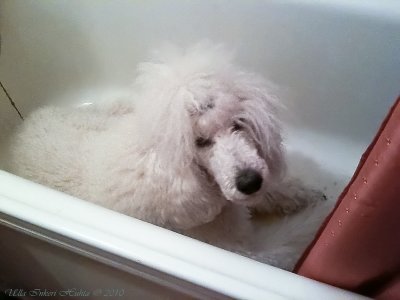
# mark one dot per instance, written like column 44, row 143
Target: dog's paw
column 292, row 203
column 288, row 198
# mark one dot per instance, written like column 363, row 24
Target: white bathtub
column 337, row 64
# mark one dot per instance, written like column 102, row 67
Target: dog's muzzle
column 248, row 181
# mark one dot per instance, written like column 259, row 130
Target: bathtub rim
column 196, row 262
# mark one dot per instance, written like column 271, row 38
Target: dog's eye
column 203, row 142
column 236, row 127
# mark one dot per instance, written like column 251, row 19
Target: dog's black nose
column 248, row 181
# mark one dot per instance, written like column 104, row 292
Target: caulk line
column 11, row 100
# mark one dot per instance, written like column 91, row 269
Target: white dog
column 198, row 143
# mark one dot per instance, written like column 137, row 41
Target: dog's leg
column 288, row 197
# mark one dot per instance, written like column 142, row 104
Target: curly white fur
column 171, row 155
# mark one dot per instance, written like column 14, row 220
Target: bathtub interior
column 336, row 64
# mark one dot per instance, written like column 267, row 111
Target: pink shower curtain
column 358, row 247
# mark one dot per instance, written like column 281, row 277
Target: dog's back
column 48, row 147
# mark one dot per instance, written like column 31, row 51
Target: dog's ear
column 261, row 114
column 165, row 103
column 162, row 118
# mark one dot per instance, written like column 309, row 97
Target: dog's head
column 206, row 118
